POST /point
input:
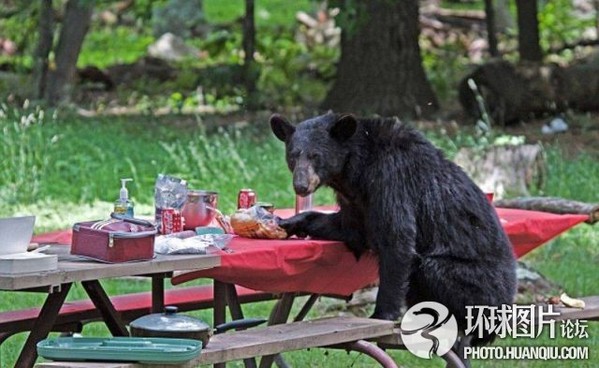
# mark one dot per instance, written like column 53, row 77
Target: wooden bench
column 335, row 332
column 590, row 311
column 270, row 340
column 73, row 315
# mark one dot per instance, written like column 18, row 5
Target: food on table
column 572, row 302
column 257, row 222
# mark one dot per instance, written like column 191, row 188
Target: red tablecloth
column 327, row 267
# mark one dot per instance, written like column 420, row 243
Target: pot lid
column 170, row 320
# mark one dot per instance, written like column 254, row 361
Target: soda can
column 170, row 221
column 246, row 198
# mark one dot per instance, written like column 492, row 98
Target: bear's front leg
column 311, row 223
column 392, row 233
column 394, row 270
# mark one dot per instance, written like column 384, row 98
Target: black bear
column 436, row 235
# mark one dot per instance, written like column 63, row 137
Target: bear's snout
column 305, row 180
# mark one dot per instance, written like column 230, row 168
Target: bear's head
column 317, row 149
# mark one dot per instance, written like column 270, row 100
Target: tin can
column 170, row 221
column 267, row 206
column 303, row 204
column 246, row 198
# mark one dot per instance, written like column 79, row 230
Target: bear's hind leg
column 458, row 283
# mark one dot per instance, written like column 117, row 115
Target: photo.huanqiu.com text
column 525, row 321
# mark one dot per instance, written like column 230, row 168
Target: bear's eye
column 312, row 156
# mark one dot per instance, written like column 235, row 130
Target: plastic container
column 123, row 206
column 129, row 349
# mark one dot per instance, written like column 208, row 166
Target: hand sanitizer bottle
column 123, row 206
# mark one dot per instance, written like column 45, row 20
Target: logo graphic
column 428, row 329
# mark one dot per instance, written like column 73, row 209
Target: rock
column 172, row 48
column 555, row 125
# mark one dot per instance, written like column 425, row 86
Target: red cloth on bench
column 327, row 267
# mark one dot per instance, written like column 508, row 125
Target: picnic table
column 319, row 267
column 328, row 267
column 57, row 284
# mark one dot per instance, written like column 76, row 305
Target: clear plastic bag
column 198, row 244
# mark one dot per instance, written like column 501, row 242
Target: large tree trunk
column 491, row 29
column 46, row 36
column 249, row 41
column 75, row 24
column 380, row 70
column 528, row 31
column 596, row 3
column 503, row 17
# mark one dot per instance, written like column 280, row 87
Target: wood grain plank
column 590, row 312
column 292, row 336
column 74, row 271
column 269, row 340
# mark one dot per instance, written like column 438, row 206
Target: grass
column 51, row 164
column 66, row 169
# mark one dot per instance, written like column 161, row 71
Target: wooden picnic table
column 57, row 284
column 320, row 267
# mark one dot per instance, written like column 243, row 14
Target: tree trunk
column 46, row 36
column 510, row 170
column 75, row 24
column 503, row 17
column 528, row 31
column 596, row 3
column 249, row 41
column 380, row 70
column 491, row 32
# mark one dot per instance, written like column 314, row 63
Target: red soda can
column 246, row 198
column 170, row 221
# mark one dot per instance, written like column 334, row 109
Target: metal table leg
column 374, row 352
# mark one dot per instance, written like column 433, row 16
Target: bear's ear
column 281, row 127
column 344, row 128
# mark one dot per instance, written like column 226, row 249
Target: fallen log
column 516, row 92
column 552, row 205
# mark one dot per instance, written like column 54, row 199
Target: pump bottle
column 123, row 206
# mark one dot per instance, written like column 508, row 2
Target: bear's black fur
column 436, row 235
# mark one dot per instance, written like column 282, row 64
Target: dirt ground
column 582, row 135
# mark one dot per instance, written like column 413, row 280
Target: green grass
column 66, row 169
column 106, row 46
column 267, row 13
column 62, row 166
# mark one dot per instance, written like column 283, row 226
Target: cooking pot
column 172, row 324
column 199, row 208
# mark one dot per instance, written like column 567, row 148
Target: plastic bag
column 169, row 192
column 198, row 244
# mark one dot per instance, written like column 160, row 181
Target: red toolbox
column 114, row 240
